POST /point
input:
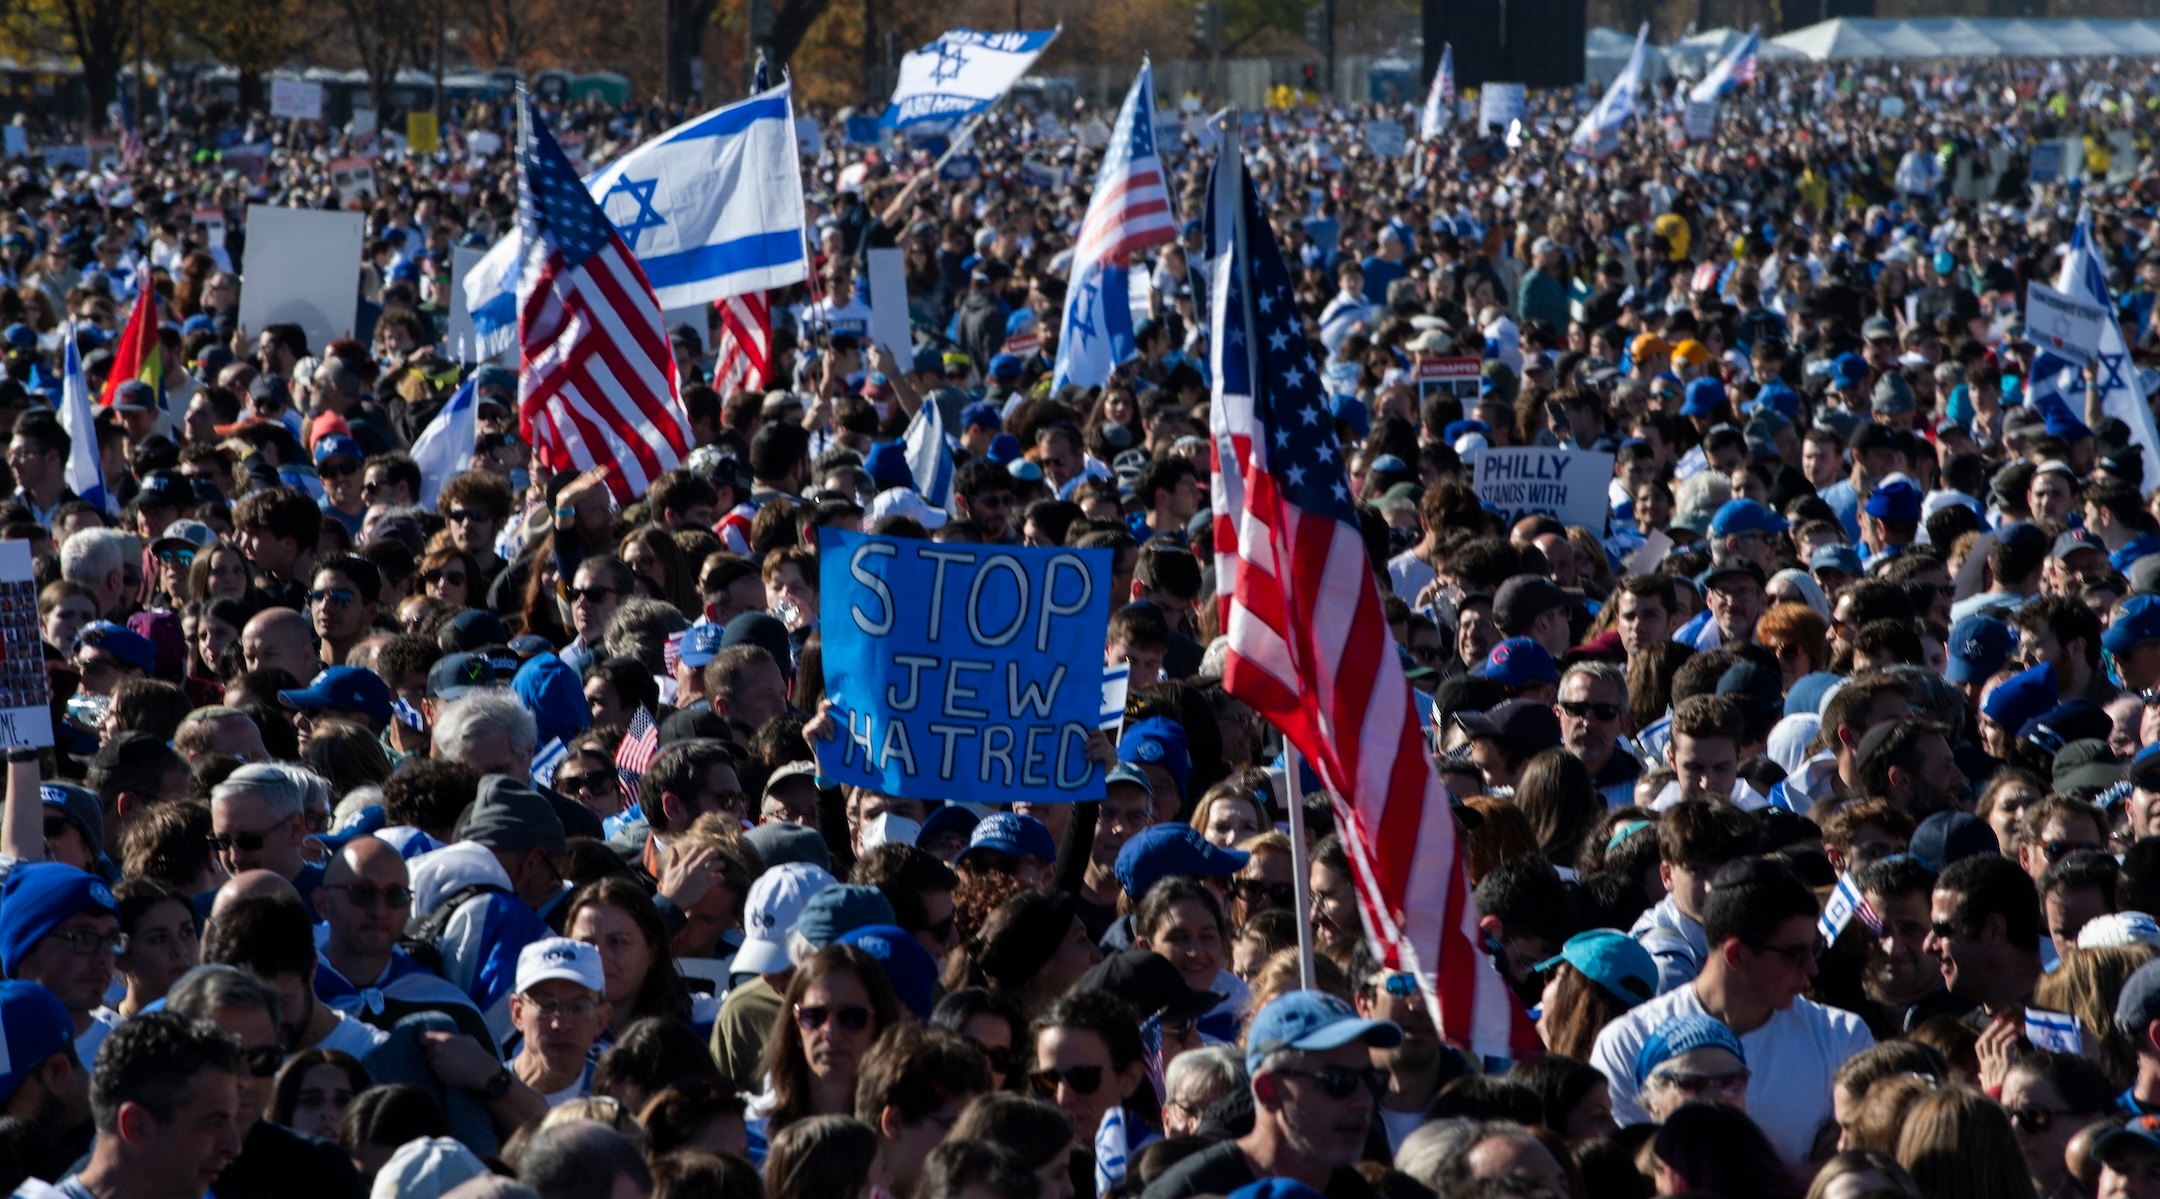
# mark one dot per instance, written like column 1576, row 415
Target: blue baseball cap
column 36, row 898
column 1131, row 776
column 1518, row 662
column 167, row 489
column 948, row 818
column 1312, row 1021
column 888, row 465
column 1159, row 741
column 1173, row 849
column 1612, row 960
column 1456, row 430
column 701, row 643
column 121, row 642
column 455, row 674
column 1014, row 835
column 1745, row 516
column 34, row 1025
column 1837, row 556
column 2022, row 696
column 349, row 687
column 1275, row 1188
column 1979, row 645
column 1350, row 410
column 1004, row 366
column 337, row 445
column 908, row 966
column 982, row 415
column 841, row 909
column 1684, row 1034
column 1896, row 500
column 2145, row 768
column 20, row 336
column 2024, row 536
column 134, row 395
column 1004, row 449
column 1849, row 370
column 1952, row 836
column 2136, row 620
column 1704, row 397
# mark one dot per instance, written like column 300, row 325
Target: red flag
column 137, row 357
column 745, row 359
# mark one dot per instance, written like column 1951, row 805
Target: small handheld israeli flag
column 408, row 715
column 546, row 759
column 1110, row 1151
column 2056, row 1032
column 1838, row 911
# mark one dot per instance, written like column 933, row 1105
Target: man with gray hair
column 1313, row 1085
column 258, row 821
column 272, row 1157
column 97, row 558
column 583, row 1159
column 1593, row 709
column 490, row 731
column 1195, row 1079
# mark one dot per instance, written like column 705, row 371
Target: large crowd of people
column 411, row 835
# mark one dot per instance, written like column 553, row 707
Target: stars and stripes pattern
column 639, row 744
column 1309, row 646
column 1131, row 208
column 597, row 382
column 745, row 358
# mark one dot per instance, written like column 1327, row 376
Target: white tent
column 1970, row 37
column 1605, row 55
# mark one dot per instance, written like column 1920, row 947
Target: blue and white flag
column 1599, row 133
column 2054, row 1032
column 714, row 206
column 1439, row 110
column 1110, row 1151
column 1839, row 909
column 711, row 208
column 445, row 447
column 2084, row 276
column 1731, row 71
column 84, row 473
column 929, row 455
column 545, row 759
column 961, row 74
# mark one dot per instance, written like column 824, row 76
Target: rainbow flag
column 137, row 357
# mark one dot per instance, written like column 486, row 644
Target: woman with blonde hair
column 2085, row 985
column 1958, row 1144
column 1228, row 815
column 660, row 570
column 219, row 572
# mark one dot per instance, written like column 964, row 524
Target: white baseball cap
column 2117, row 929
column 563, row 958
column 770, row 911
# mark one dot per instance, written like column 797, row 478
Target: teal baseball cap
column 1612, row 960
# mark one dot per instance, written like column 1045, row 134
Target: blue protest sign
column 963, row 672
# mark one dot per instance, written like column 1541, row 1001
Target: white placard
column 1498, row 104
column 809, row 139
column 25, row 692
column 1570, row 485
column 302, row 266
column 2063, row 323
column 1701, row 120
column 888, row 302
column 296, row 99
column 460, row 341
column 1386, row 138
column 363, row 123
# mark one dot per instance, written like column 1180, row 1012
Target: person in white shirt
column 560, row 1007
column 1759, row 921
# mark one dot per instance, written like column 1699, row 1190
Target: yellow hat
column 1691, row 352
column 1645, row 345
column 1676, row 234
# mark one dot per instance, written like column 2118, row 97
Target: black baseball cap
column 1528, row 725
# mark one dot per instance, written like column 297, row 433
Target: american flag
column 598, row 373
column 744, row 362
column 637, row 749
column 1131, row 207
column 1309, row 646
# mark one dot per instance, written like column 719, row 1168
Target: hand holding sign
column 962, row 672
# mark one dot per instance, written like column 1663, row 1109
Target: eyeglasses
column 848, row 1017
column 456, row 578
column 336, row 597
column 593, row 594
column 1801, row 956
column 225, row 843
column 730, row 801
column 1730, row 1086
column 465, row 516
column 2032, row 1121
column 1426, row 653
column 564, row 1009
column 1340, row 1082
column 177, row 557
column 263, row 1060
column 95, row 667
column 1253, row 890
column 1131, row 818
column 1580, row 709
column 328, row 471
column 1084, row 1080
column 2056, row 851
column 367, row 895
column 85, row 942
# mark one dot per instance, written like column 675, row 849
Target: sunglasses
column 469, row 515
column 848, row 1017
column 263, row 1060
column 225, row 843
column 1594, row 711
column 328, row 471
column 337, row 597
column 2032, row 1121
column 600, row 783
column 1253, row 890
column 57, row 825
column 456, row 578
column 367, row 895
column 1401, row 985
column 594, row 593
column 1084, row 1080
column 177, row 557
column 2056, row 851
column 1341, row 1082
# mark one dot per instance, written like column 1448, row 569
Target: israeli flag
column 1838, row 911
column 2121, row 394
column 1599, row 133
column 961, row 74
column 491, row 297
column 445, row 447
column 2054, row 1032
column 713, row 207
column 84, row 474
column 1439, row 109
column 929, row 456
column 1110, row 1151
column 1098, row 325
column 546, row 759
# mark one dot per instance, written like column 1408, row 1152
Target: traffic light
column 1312, row 77
column 1314, row 31
column 1204, row 24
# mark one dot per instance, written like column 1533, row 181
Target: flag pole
column 1300, row 865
